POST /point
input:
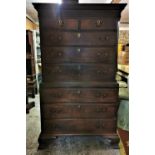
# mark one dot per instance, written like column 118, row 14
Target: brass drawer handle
column 78, row 35
column 99, row 23
column 78, row 50
column 59, row 54
column 78, row 92
column 104, row 95
column 98, row 53
column 106, row 38
column 79, row 67
column 61, row 23
column 79, row 106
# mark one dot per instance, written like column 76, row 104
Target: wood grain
column 79, row 110
column 79, row 55
column 78, row 95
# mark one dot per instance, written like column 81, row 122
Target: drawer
column 99, row 24
column 79, row 54
column 79, row 72
column 53, row 95
column 54, row 38
column 82, row 126
column 79, row 110
column 59, row 24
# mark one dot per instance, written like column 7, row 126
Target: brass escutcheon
column 78, row 92
column 78, row 49
column 61, row 23
column 99, row 23
column 78, row 35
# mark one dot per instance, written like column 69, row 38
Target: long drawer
column 55, row 38
column 59, row 23
column 79, row 54
column 53, row 95
column 82, row 126
column 78, row 72
column 79, row 110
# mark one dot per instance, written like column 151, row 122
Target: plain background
column 13, row 79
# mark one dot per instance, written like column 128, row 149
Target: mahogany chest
column 79, row 93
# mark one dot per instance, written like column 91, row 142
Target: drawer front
column 49, row 95
column 60, row 24
column 79, row 54
column 78, row 72
column 79, row 110
column 78, row 38
column 84, row 24
column 82, row 126
column 99, row 24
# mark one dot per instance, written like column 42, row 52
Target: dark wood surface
column 79, row 110
column 98, row 24
column 78, row 72
column 58, row 38
column 79, row 54
column 79, row 93
column 84, row 24
column 58, row 126
column 81, row 84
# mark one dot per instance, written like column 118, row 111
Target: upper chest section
column 78, row 17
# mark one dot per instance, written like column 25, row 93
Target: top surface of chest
column 79, row 10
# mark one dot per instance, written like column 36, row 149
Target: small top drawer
column 99, row 24
column 60, row 24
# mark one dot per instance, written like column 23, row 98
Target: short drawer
column 55, row 38
column 79, row 54
column 59, row 24
column 82, row 126
column 69, row 95
column 98, row 24
column 79, row 72
column 79, row 110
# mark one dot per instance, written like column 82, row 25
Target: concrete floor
column 78, row 145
